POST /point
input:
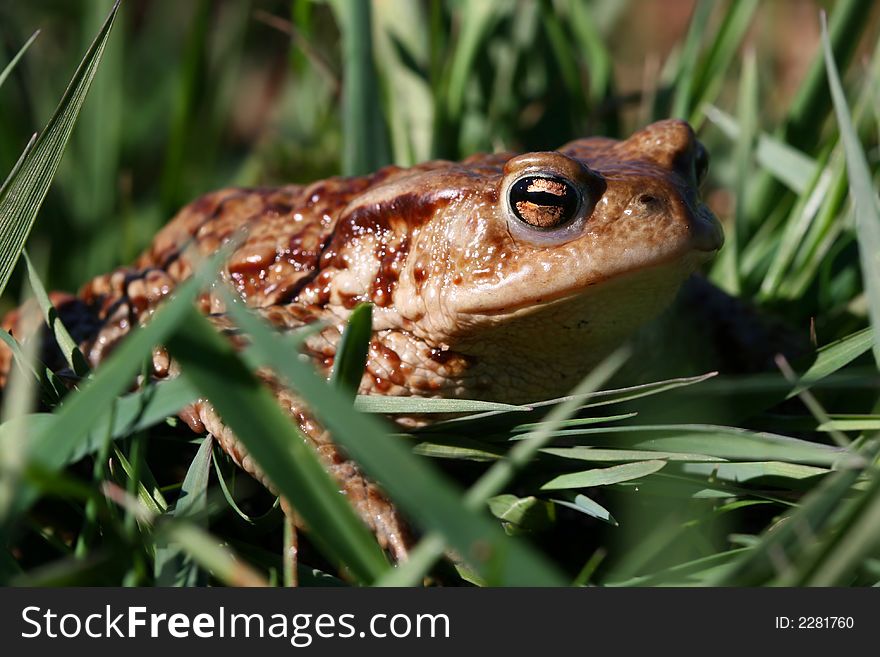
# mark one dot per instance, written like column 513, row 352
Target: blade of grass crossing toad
column 12, row 63
column 272, row 440
column 861, row 189
column 23, row 195
column 351, row 356
column 415, row 486
column 68, row 345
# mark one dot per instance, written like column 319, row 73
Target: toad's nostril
column 647, row 199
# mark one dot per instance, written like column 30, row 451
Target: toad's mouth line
column 679, row 265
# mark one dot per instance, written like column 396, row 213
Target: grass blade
column 172, row 567
column 604, row 476
column 861, row 189
column 23, row 195
column 68, row 345
column 351, row 356
column 835, row 356
column 14, row 61
column 365, row 139
column 789, row 165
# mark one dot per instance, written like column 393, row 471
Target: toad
column 503, row 277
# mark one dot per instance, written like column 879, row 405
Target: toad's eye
column 543, row 202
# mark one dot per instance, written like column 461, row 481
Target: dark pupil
column 543, row 201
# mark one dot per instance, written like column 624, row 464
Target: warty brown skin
column 470, row 300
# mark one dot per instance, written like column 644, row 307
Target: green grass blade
column 184, row 113
column 724, row 48
column 402, row 60
column 685, row 76
column 731, row 443
column 726, row 273
column 14, row 61
column 354, row 345
column 834, row 357
column 22, row 196
column 129, row 414
column 365, row 138
column 789, row 165
column 522, row 514
column 599, row 60
column 69, row 348
column 477, row 20
column 862, row 192
column 847, row 549
column 171, row 565
column 598, row 455
column 604, row 476
column 583, row 504
column 208, row 553
column 419, row 405
column 802, row 127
